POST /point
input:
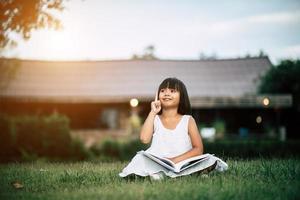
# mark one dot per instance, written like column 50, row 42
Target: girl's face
column 169, row 97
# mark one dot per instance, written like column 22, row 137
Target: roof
column 121, row 80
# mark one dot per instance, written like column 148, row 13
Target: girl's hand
column 156, row 105
column 174, row 160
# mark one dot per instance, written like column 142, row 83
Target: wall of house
column 234, row 118
column 255, row 120
column 82, row 115
column 115, row 116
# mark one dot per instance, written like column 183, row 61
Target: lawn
column 246, row 179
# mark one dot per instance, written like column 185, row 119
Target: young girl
column 174, row 135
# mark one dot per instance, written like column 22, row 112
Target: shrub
column 28, row 137
column 111, row 150
column 241, row 148
column 220, row 127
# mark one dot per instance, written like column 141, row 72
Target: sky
column 178, row 29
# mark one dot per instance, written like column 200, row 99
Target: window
column 109, row 118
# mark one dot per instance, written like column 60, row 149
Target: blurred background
column 77, row 77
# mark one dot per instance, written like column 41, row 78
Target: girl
column 174, row 135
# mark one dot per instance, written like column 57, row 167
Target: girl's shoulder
column 185, row 119
column 188, row 119
column 187, row 116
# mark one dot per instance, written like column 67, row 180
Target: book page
column 165, row 160
column 179, row 165
column 162, row 161
column 191, row 163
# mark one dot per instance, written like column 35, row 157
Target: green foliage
column 283, row 78
column 29, row 137
column 147, row 55
column 245, row 179
column 202, row 125
column 22, row 17
column 220, row 126
column 241, row 148
column 111, row 149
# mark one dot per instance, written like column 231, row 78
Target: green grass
column 245, row 179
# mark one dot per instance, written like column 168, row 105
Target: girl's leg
column 207, row 170
column 133, row 177
column 157, row 176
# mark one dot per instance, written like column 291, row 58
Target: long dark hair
column 184, row 106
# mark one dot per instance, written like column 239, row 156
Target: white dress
column 168, row 143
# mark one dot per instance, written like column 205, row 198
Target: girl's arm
column 147, row 128
column 196, row 143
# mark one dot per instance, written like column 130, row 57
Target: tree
column 147, row 55
column 282, row 79
column 203, row 56
column 22, row 17
column 262, row 53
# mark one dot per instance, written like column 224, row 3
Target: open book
column 178, row 167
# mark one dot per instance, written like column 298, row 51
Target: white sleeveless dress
column 168, row 143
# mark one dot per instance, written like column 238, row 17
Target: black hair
column 184, row 106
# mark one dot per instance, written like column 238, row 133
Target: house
column 97, row 94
